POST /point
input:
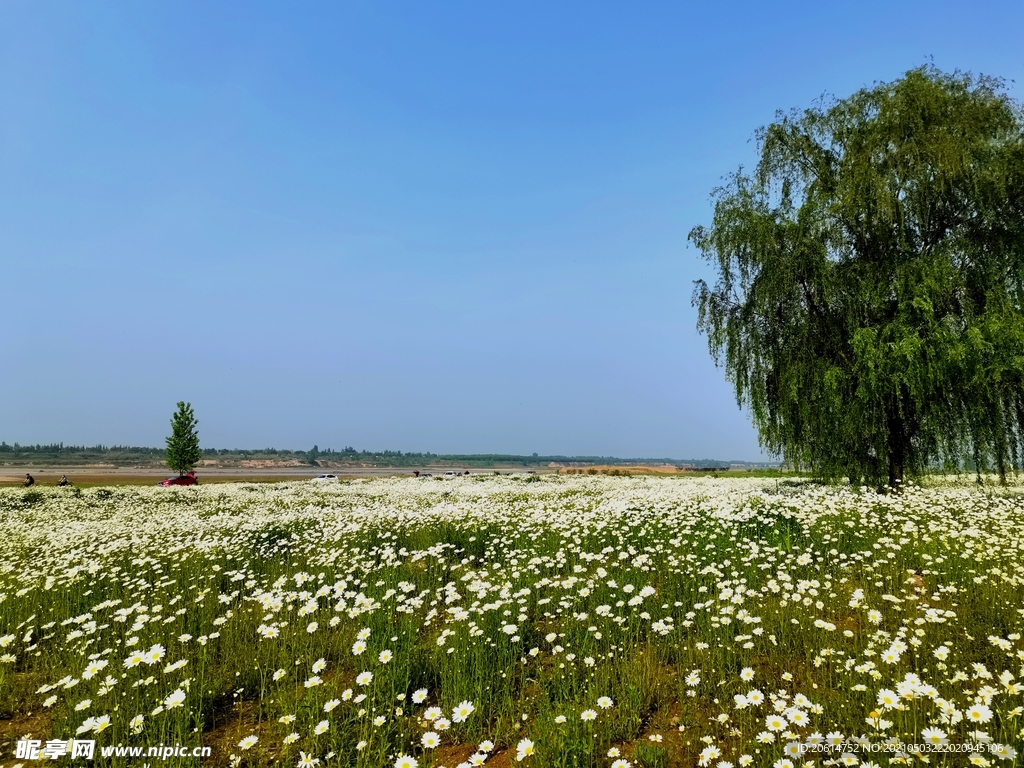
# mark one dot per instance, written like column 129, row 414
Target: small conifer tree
column 183, row 445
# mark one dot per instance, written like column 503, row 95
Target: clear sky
column 444, row 226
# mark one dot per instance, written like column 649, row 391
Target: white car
column 449, row 475
column 325, row 479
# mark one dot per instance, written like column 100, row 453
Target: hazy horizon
column 324, row 452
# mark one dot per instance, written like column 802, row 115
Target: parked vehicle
column 326, row 479
column 450, row 474
column 189, row 479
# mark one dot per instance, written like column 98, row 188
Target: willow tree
column 870, row 280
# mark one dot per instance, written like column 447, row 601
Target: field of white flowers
column 555, row 621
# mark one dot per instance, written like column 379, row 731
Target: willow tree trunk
column 897, row 451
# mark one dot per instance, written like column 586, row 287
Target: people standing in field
column 29, row 480
column 63, row 481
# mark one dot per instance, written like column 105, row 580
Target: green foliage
column 868, row 307
column 651, row 755
column 31, row 497
column 183, row 445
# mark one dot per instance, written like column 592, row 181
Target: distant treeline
column 123, row 455
column 58, row 453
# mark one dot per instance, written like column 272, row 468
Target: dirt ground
column 93, row 475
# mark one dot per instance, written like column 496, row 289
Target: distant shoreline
column 88, row 475
column 91, row 474
column 116, row 457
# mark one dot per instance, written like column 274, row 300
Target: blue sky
column 455, row 227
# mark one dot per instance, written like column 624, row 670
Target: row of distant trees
column 53, row 449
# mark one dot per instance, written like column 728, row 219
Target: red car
column 189, row 479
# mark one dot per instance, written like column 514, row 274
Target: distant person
column 29, row 480
column 64, row 481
